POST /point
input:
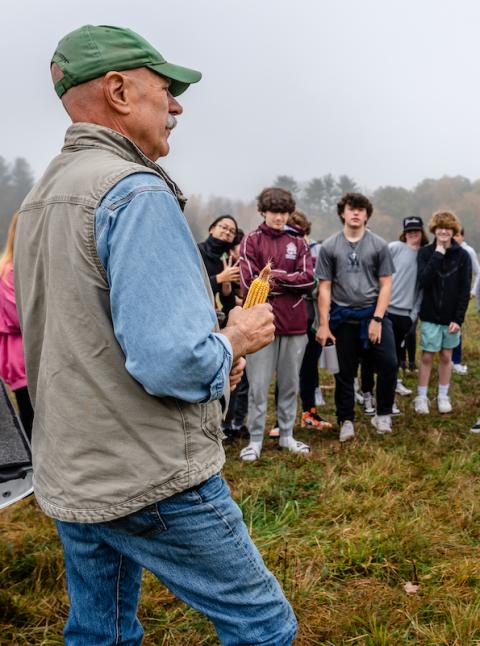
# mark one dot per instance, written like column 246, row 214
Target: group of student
column 354, row 290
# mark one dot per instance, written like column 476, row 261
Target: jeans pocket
column 212, row 488
column 143, row 523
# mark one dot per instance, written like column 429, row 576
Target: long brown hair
column 424, row 240
column 6, row 259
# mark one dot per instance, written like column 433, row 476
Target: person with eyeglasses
column 222, row 268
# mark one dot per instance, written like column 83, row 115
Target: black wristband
column 378, row 319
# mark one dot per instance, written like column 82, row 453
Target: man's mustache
column 171, row 122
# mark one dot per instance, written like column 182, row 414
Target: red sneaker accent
column 310, row 419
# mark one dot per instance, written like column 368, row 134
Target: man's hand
column 453, row 327
column 323, row 334
column 236, row 373
column 375, row 331
column 250, row 330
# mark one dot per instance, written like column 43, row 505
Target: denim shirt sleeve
column 162, row 315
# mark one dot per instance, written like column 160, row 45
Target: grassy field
column 344, row 530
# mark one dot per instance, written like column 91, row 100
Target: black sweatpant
column 384, row 362
column 309, row 370
column 410, row 347
column 401, row 327
column 238, row 406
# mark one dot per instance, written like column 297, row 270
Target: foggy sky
column 386, row 91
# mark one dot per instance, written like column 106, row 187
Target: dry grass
column 343, row 530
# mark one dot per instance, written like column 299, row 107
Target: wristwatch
column 378, row 319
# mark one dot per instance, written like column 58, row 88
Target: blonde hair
column 444, row 220
column 6, row 259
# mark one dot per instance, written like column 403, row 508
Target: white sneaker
column 444, row 404
column 357, row 391
column 460, row 368
column 368, row 404
column 421, row 405
column 402, row 390
column 476, row 427
column 395, row 409
column 319, row 400
column 346, row 431
column 383, row 423
column 359, row 397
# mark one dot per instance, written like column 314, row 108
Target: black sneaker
column 476, row 427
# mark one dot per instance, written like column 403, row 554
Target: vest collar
column 90, row 135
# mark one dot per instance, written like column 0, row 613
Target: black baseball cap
column 412, row 223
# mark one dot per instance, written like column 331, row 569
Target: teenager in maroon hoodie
column 292, row 277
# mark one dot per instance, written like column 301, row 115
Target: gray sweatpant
column 283, row 356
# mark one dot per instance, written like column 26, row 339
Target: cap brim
column 181, row 77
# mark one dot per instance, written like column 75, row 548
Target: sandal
column 297, row 447
column 249, row 454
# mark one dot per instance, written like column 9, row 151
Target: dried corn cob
column 258, row 291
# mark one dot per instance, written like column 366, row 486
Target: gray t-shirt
column 354, row 268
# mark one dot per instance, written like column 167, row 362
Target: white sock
column 382, row 417
column 443, row 389
column 286, row 441
column 399, row 381
column 422, row 391
column 256, row 445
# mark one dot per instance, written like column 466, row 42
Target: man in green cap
column 127, row 369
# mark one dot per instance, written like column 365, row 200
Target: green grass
column 343, row 530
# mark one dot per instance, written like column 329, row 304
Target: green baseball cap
column 91, row 51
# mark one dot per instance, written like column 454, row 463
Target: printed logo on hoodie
column 291, row 251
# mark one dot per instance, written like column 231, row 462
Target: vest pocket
column 211, row 420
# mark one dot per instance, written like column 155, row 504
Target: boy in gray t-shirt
column 355, row 270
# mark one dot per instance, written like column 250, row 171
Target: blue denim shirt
column 162, row 314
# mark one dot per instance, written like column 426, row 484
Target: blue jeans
column 197, row 544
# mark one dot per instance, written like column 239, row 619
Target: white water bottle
column 331, row 357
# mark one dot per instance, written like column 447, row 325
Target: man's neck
column 353, row 234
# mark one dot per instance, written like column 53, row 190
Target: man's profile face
column 276, row 220
column 355, row 217
column 154, row 108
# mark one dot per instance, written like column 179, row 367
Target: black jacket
column 446, row 281
column 214, row 266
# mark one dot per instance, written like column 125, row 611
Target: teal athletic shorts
column 434, row 337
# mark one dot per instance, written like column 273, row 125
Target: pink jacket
column 292, row 274
column 12, row 362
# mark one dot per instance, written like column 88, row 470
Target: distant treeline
column 16, row 179
column 318, row 198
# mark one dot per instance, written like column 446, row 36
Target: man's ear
column 117, row 89
column 56, row 72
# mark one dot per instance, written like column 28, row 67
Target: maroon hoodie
column 292, row 273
